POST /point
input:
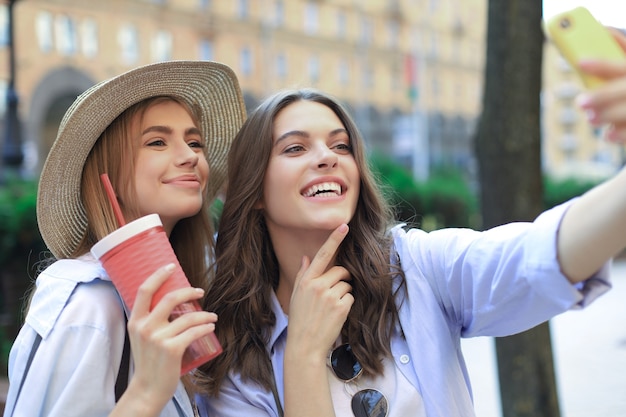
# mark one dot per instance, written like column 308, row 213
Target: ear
column 259, row 205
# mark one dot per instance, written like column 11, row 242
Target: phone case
column 578, row 35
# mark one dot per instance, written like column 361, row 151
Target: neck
column 290, row 247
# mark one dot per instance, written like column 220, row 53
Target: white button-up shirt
column 80, row 318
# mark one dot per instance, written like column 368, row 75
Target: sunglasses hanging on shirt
column 366, row 402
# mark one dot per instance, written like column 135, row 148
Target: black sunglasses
column 366, row 402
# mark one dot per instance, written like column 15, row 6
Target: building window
column 89, row 38
column 433, row 5
column 243, row 9
column 342, row 23
column 568, row 143
column 563, row 65
column 367, row 29
column 567, row 90
column 314, row 69
column 393, row 30
column 311, row 16
column 65, row 35
column 279, row 13
column 368, row 76
column 434, row 45
column 396, row 76
column 162, row 46
column 343, row 72
column 43, row 28
column 206, row 50
column 435, row 88
column 3, row 93
column 4, row 25
column 128, row 39
column 568, row 116
column 246, row 62
column 281, row 66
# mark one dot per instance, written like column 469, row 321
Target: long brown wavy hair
column 247, row 268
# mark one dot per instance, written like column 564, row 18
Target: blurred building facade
column 572, row 148
column 410, row 71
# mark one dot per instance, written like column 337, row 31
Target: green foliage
column 19, row 237
column 444, row 200
column 399, row 187
column 18, row 219
column 5, row 348
column 557, row 191
column 451, row 198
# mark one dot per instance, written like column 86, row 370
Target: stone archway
column 51, row 98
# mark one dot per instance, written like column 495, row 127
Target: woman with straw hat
column 161, row 132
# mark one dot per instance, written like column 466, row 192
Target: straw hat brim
column 211, row 86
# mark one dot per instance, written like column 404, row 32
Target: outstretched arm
column 594, row 228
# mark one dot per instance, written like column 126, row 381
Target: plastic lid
column 124, row 233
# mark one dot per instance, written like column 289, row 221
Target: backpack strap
column 28, row 363
column 122, row 376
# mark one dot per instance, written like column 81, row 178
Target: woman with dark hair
column 329, row 308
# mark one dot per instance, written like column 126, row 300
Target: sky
column 608, row 12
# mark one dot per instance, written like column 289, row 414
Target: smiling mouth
column 325, row 189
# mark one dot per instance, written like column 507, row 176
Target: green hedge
column 558, row 191
column 18, row 221
column 444, row 200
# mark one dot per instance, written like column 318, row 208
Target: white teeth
column 324, row 189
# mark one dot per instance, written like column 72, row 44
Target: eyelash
column 192, row 144
column 297, row 148
column 197, row 144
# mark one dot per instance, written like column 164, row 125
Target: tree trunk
column 508, row 150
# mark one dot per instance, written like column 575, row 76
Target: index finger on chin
column 327, row 252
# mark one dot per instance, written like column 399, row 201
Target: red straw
column 113, row 199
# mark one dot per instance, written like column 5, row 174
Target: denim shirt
column 459, row 283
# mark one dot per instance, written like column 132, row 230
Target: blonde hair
column 114, row 153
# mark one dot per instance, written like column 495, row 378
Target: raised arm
column 594, row 228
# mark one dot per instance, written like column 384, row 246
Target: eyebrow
column 167, row 129
column 304, row 134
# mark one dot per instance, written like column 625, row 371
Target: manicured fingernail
column 343, row 228
column 170, row 267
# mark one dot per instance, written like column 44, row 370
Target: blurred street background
column 457, row 137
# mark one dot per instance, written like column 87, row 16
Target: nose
column 186, row 155
column 327, row 158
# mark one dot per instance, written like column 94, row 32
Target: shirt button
column 405, row 359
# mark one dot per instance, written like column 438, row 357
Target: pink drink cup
column 135, row 251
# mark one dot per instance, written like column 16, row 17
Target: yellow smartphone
column 578, row 35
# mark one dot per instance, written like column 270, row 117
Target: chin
column 332, row 224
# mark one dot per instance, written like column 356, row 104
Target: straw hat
column 211, row 86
